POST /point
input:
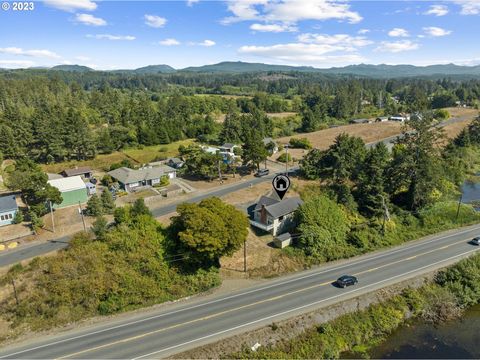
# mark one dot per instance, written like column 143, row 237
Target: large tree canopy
column 208, row 230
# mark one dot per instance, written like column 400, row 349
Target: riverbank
column 444, row 298
column 457, row 339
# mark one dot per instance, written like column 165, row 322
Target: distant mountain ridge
column 239, row 67
column 74, row 68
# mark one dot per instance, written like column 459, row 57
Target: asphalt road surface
column 185, row 325
column 25, row 252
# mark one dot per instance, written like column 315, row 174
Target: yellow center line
column 247, row 305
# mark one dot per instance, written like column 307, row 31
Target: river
column 458, row 339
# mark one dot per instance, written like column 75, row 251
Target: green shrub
column 283, row 158
column 300, row 143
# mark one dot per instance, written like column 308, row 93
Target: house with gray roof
column 271, row 144
column 131, row 180
column 275, row 215
column 8, row 209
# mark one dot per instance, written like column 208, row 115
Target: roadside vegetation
column 452, row 291
column 370, row 198
column 134, row 262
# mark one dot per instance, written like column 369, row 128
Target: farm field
column 140, row 156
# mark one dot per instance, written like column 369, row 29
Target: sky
column 320, row 33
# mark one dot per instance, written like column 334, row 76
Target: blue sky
column 320, row 33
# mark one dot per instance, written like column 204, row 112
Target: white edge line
column 387, row 253
column 299, row 308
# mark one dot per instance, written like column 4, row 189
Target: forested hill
column 238, row 67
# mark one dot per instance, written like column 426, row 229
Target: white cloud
column 169, row 42
column 90, row 20
column 32, row 53
column 155, row 21
column 436, row 31
column 82, row 58
column 206, row 43
column 300, row 53
column 397, row 46
column 398, row 32
column 289, row 11
column 346, row 42
column 71, row 5
column 111, row 37
column 363, row 31
column 469, row 7
column 437, row 10
column 16, row 63
column 191, row 2
column 276, row 28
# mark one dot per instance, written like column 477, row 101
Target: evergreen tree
column 108, row 204
column 371, row 193
column 254, row 151
column 94, row 206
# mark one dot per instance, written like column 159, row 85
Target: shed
column 73, row 190
column 283, row 240
column 83, row 171
column 8, row 209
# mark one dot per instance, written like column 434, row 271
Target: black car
column 346, row 280
column 262, row 172
column 475, row 241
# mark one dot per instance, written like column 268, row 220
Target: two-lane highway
column 189, row 324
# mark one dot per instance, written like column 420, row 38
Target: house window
column 10, row 216
column 2, row 217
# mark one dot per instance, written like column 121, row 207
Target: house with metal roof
column 73, row 190
column 131, row 180
column 274, row 215
column 8, row 209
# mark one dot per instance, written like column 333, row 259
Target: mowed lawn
column 143, row 155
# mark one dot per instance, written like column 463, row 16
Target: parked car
column 346, row 280
column 475, row 241
column 262, row 172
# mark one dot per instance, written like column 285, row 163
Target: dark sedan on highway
column 475, row 241
column 346, row 280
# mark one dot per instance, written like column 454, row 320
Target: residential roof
column 77, row 171
column 268, row 140
column 228, row 145
column 68, row 184
column 128, row 176
column 175, row 160
column 8, row 203
column 277, row 208
column 265, row 201
column 284, row 236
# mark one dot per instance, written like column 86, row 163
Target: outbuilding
column 283, row 240
column 8, row 209
column 73, row 191
column 83, row 171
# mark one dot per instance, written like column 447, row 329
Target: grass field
column 139, row 155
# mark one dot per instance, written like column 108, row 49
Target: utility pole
column 51, row 213
column 245, row 256
column 458, row 208
column 220, row 173
column 386, row 214
column 286, row 160
column 83, row 218
column 15, row 292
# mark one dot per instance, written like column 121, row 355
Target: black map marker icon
column 281, row 183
